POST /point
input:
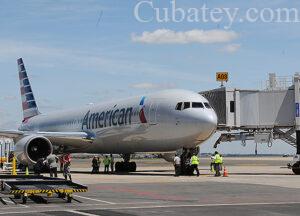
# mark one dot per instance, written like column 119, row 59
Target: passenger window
column 178, row 106
column 207, row 106
column 186, row 105
column 197, row 105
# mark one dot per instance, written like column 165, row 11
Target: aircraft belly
column 140, row 138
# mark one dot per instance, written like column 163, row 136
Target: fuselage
column 160, row 122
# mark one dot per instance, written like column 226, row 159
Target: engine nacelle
column 30, row 148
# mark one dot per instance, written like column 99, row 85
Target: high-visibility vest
column 106, row 161
column 195, row 160
column 218, row 159
column 221, row 159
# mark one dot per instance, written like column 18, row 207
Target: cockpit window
column 178, row 106
column 197, row 105
column 207, row 105
column 186, row 105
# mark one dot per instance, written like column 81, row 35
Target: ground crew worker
column 95, row 165
column 99, row 163
column 51, row 160
column 221, row 164
column 61, row 162
column 195, row 163
column 38, row 166
column 67, row 170
column 112, row 162
column 177, row 165
column 67, row 166
column 106, row 163
column 212, row 163
column 217, row 163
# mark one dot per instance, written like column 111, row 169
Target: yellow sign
column 222, row 76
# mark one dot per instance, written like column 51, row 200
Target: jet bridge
column 259, row 115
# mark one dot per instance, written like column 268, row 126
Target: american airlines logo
column 107, row 118
column 112, row 117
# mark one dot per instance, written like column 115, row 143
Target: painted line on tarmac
column 8, row 201
column 80, row 213
column 161, row 206
column 97, row 200
column 201, row 205
column 7, row 208
column 96, row 204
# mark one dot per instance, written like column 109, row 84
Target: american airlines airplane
column 161, row 122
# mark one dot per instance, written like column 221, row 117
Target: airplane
column 164, row 121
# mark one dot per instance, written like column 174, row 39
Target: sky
column 81, row 52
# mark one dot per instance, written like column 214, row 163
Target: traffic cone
column 225, row 173
column 26, row 171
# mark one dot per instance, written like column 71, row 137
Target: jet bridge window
column 178, row 106
column 186, row 105
column 197, row 105
column 232, row 104
column 207, row 105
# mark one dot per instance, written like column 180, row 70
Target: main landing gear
column 125, row 166
column 296, row 160
column 296, row 165
column 296, row 168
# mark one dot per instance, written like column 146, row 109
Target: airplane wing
column 55, row 137
column 11, row 134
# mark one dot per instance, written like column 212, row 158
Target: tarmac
column 255, row 186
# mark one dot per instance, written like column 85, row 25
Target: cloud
column 231, row 48
column 167, row 36
column 147, row 85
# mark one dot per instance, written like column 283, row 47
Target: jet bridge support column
column 297, row 106
column 296, row 165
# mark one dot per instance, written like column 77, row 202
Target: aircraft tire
column 296, row 168
column 132, row 167
column 118, row 167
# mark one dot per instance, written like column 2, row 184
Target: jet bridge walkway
column 259, row 115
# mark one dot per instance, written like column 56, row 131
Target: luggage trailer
column 24, row 187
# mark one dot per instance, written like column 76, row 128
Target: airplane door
column 153, row 113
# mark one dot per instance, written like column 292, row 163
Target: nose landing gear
column 186, row 168
column 126, row 165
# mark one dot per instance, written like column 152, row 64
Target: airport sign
column 222, row 76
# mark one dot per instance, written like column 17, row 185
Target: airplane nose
column 210, row 122
column 207, row 125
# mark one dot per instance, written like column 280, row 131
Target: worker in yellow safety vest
column 106, row 162
column 212, row 163
column 194, row 163
column 221, row 164
column 217, row 163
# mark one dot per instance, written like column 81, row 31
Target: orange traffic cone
column 225, row 173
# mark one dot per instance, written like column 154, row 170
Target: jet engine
column 30, row 148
